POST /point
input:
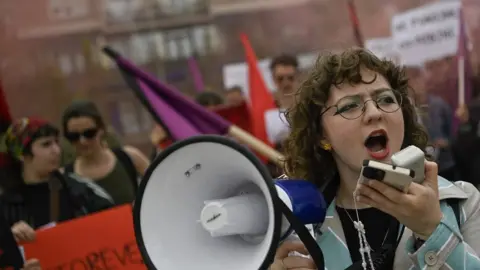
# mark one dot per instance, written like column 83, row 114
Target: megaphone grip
column 304, row 235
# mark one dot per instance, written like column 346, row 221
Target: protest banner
column 104, row 240
column 427, row 33
column 383, row 48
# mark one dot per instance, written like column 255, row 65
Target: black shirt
column 31, row 203
column 381, row 229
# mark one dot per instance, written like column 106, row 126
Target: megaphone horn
column 208, row 203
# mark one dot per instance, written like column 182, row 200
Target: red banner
column 103, row 240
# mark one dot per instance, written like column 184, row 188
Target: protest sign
column 383, row 48
column 103, row 240
column 237, row 75
column 427, row 33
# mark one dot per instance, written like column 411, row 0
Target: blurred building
column 55, row 57
column 50, row 48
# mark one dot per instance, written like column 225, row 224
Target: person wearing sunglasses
column 284, row 69
column 117, row 170
column 354, row 106
column 34, row 192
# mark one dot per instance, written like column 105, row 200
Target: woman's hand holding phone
column 418, row 209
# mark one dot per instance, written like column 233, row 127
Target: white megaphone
column 208, row 203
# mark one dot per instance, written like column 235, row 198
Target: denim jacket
column 449, row 247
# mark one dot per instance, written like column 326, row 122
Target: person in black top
column 354, row 106
column 33, row 191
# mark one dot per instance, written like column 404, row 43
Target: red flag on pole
column 261, row 100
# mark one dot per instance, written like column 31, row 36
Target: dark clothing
column 380, row 228
column 466, row 148
column 438, row 122
column 121, row 183
column 31, row 203
column 10, row 256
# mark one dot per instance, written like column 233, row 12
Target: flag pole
column 257, row 145
column 461, row 81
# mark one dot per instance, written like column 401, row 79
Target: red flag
column 355, row 23
column 238, row 115
column 261, row 100
column 5, row 117
column 5, row 120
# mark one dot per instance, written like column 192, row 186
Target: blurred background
column 50, row 49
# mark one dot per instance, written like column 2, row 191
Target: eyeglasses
column 352, row 107
column 87, row 134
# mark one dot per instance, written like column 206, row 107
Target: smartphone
column 413, row 158
column 394, row 176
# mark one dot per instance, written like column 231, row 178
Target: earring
column 326, row 146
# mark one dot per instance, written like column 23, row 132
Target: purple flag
column 181, row 116
column 196, row 74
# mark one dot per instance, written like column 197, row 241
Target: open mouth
column 376, row 141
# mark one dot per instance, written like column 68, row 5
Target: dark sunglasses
column 289, row 78
column 87, row 134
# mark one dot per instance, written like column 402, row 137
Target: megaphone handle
column 304, row 235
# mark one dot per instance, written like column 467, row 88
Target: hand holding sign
column 104, row 240
column 23, row 232
column 32, row 264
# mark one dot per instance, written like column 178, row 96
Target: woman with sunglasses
column 117, row 170
column 354, row 106
column 34, row 193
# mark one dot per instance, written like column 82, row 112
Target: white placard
column 276, row 126
column 427, row 33
column 237, row 75
column 383, row 48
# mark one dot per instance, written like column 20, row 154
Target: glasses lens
column 72, row 136
column 353, row 107
column 350, row 107
column 389, row 101
column 90, row 133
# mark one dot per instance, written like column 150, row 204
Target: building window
column 183, row 43
column 140, row 49
column 200, row 39
column 178, row 6
column 128, row 118
column 123, row 10
column 68, row 9
column 159, row 44
column 179, row 44
column 65, row 64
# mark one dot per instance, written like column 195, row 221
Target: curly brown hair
column 304, row 157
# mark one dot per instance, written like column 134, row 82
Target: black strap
column 74, row 200
column 127, row 163
column 69, row 168
column 304, row 235
column 455, row 204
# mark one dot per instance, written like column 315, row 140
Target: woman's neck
column 31, row 177
column 348, row 184
column 98, row 156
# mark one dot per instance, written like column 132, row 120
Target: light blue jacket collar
column 332, row 239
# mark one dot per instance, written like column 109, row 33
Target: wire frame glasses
column 352, row 107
